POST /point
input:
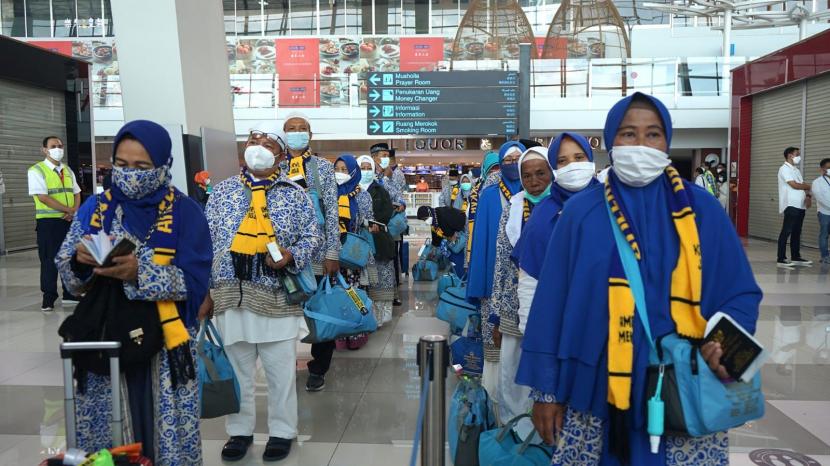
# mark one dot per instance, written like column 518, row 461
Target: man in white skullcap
column 248, row 214
column 316, row 175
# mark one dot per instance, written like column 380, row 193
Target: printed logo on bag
column 472, row 362
column 137, row 336
column 357, row 301
column 774, row 457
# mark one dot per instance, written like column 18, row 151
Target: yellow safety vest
column 61, row 191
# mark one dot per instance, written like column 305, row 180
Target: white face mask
column 796, row 160
column 258, row 158
column 56, row 154
column 341, row 178
column 638, row 165
column 428, row 220
column 453, row 182
column 827, row 172
column 575, row 176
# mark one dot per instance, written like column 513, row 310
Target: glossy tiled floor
column 368, row 411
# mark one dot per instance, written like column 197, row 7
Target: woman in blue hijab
column 354, row 209
column 169, row 266
column 489, row 176
column 491, row 203
column 570, row 353
column 573, row 159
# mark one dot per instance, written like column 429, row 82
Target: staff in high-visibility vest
column 57, row 197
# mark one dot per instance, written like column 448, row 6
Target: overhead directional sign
column 489, row 126
column 443, row 103
column 463, row 110
column 445, row 79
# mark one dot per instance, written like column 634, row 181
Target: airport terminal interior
column 443, row 84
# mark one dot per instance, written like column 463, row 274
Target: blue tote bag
column 454, row 309
column 503, row 447
column 338, row 311
column 218, row 386
column 448, row 280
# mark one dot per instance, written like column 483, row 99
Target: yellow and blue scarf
column 162, row 238
column 255, row 231
column 686, row 284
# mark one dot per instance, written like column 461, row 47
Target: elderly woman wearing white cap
column 246, row 213
column 316, row 175
column 535, row 174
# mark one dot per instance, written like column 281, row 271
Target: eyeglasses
column 259, row 135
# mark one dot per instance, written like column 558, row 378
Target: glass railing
column 671, row 79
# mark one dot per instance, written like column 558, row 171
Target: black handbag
column 106, row 314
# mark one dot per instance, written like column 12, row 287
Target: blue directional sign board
column 455, row 103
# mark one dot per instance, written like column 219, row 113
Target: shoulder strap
column 632, row 273
column 314, row 168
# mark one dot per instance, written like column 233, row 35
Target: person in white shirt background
column 793, row 200
column 57, row 197
column 821, row 191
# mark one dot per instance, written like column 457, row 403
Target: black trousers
column 793, row 221
column 50, row 235
column 321, row 354
column 398, row 262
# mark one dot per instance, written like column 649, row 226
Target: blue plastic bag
column 468, row 349
column 471, row 413
column 503, row 447
column 218, row 386
column 338, row 311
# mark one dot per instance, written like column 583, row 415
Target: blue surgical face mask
column 367, row 176
column 466, row 186
column 297, row 140
column 537, row 199
column 136, row 183
column 510, row 171
column 384, row 162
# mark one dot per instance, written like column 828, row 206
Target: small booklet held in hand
column 743, row 354
column 102, row 250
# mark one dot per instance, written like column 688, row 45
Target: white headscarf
column 360, row 160
column 513, row 228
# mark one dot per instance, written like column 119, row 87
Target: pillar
column 174, row 71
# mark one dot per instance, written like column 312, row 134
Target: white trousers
column 490, row 382
column 513, row 399
column 279, row 359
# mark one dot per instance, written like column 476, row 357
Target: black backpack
column 106, row 314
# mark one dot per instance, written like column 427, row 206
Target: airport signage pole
column 524, row 90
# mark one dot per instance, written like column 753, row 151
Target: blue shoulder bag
column 454, row 309
column 354, row 253
column 696, row 402
column 218, row 386
column 397, row 224
column 338, row 311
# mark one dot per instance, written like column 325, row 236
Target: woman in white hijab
column 382, row 289
column 536, row 176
